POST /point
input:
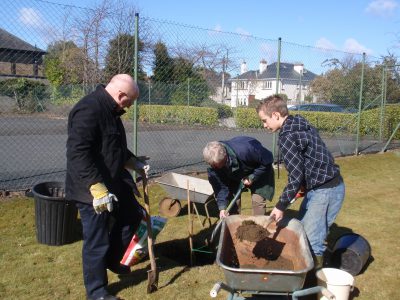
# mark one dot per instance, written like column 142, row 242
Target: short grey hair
column 214, row 152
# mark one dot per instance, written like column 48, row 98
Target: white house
column 261, row 83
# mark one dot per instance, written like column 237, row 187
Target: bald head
column 123, row 89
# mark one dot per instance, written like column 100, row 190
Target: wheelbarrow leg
column 198, row 215
column 208, row 218
column 190, row 225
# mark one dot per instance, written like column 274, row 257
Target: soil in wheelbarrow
column 255, row 248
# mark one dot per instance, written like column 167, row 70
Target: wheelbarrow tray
column 264, row 280
column 176, row 186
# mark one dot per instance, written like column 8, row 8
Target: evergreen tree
column 121, row 57
column 163, row 65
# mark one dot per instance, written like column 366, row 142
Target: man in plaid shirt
column 311, row 167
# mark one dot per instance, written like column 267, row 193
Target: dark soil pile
column 253, row 248
column 252, row 232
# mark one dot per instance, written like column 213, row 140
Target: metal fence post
column 135, row 107
column 188, row 91
column 382, row 103
column 278, row 63
column 359, row 105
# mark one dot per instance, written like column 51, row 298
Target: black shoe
column 120, row 269
column 106, row 297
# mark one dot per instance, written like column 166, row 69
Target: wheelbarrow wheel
column 169, row 207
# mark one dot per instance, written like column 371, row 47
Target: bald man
column 99, row 182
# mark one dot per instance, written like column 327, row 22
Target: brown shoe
column 318, row 262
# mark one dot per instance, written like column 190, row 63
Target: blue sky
column 371, row 26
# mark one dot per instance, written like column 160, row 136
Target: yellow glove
column 102, row 199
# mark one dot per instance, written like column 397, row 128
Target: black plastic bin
column 350, row 253
column 55, row 217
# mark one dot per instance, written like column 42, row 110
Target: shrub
column 68, row 94
column 175, row 114
column 224, row 111
column 29, row 95
column 331, row 122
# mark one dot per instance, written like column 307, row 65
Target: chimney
column 243, row 67
column 263, row 66
column 299, row 68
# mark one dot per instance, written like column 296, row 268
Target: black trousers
column 105, row 239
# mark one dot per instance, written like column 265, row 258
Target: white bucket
column 338, row 282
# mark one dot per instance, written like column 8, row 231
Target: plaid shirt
column 307, row 160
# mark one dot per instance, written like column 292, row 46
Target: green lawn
column 29, row 270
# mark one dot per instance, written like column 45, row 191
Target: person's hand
column 102, row 199
column 146, row 169
column 104, row 203
column 223, row 214
column 139, row 164
column 277, row 214
column 247, row 182
column 143, row 168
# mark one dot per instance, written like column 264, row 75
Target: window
column 242, row 85
column 267, row 85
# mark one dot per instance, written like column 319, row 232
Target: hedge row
column 176, row 114
column 328, row 122
column 336, row 122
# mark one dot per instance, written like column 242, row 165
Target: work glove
column 102, row 199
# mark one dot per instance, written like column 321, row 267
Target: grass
column 29, row 270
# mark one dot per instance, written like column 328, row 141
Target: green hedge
column 29, row 95
column 371, row 119
column 176, row 114
column 335, row 122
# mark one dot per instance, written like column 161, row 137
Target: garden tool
column 152, row 274
column 228, row 209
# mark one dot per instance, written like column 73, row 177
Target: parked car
column 328, row 107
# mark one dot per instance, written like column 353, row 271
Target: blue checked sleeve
column 294, row 162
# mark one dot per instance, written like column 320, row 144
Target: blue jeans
column 318, row 212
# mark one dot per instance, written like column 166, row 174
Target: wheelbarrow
column 249, row 274
column 179, row 187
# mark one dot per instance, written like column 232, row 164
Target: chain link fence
column 196, row 85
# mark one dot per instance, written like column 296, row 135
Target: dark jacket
column 247, row 158
column 96, row 148
column 306, row 157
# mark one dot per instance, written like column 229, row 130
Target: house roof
column 11, row 42
column 286, row 73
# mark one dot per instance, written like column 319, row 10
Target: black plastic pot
column 350, row 253
column 55, row 217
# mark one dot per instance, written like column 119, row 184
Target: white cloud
column 218, row 27
column 217, row 30
column 351, row 45
column 30, row 17
column 324, row 43
column 245, row 34
column 382, row 8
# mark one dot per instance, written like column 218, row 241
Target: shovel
column 231, row 204
column 152, row 275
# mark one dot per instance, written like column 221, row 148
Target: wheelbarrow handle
column 228, row 209
column 217, row 287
